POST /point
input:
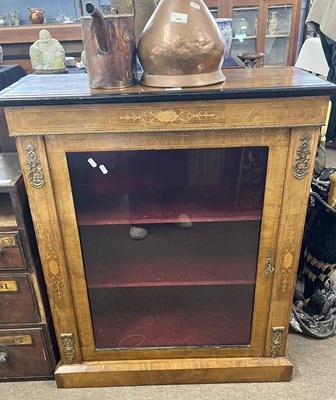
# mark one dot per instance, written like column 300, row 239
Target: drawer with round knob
column 11, row 254
column 24, row 354
column 17, row 300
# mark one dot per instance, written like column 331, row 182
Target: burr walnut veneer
column 216, row 178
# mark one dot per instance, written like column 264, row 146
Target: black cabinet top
column 240, row 84
column 10, row 74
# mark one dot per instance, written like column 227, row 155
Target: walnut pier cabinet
column 169, row 222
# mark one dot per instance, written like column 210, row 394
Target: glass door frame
column 262, row 25
column 250, row 3
column 293, row 25
column 277, row 140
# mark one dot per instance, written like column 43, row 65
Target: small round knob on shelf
column 3, row 357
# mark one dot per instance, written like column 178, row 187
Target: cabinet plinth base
column 174, row 371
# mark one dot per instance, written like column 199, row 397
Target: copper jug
column 36, row 15
column 143, row 11
column 181, row 45
column 110, row 50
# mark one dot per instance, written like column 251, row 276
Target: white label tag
column 178, row 17
column 5, row 181
column 195, row 5
column 103, row 169
column 92, row 162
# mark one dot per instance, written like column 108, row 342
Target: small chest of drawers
column 27, row 348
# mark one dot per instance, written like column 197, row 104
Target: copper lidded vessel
column 110, row 49
column 181, row 46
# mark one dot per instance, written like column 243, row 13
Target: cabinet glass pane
column 55, row 11
column 186, row 276
column 278, row 35
column 214, row 11
column 244, row 29
column 213, row 7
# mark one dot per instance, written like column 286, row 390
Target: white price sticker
column 92, row 162
column 103, row 169
column 195, row 5
column 179, row 17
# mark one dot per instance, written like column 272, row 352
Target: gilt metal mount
column 277, row 334
column 68, row 344
column 35, row 173
column 269, row 264
column 303, row 155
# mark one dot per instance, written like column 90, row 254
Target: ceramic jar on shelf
column 36, row 15
column 225, row 27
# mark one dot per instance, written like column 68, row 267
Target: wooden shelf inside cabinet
column 29, row 33
column 245, row 38
column 170, row 256
column 166, row 186
column 251, row 8
column 280, row 35
column 153, row 317
column 16, row 41
column 151, row 209
column 286, row 6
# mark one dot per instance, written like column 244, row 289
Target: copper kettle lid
column 181, row 46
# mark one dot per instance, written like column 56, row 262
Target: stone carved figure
column 47, row 55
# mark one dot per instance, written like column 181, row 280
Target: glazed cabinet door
column 246, row 27
column 17, row 12
column 266, row 26
column 169, row 240
column 282, row 24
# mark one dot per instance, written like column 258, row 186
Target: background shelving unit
column 16, row 40
column 251, row 28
